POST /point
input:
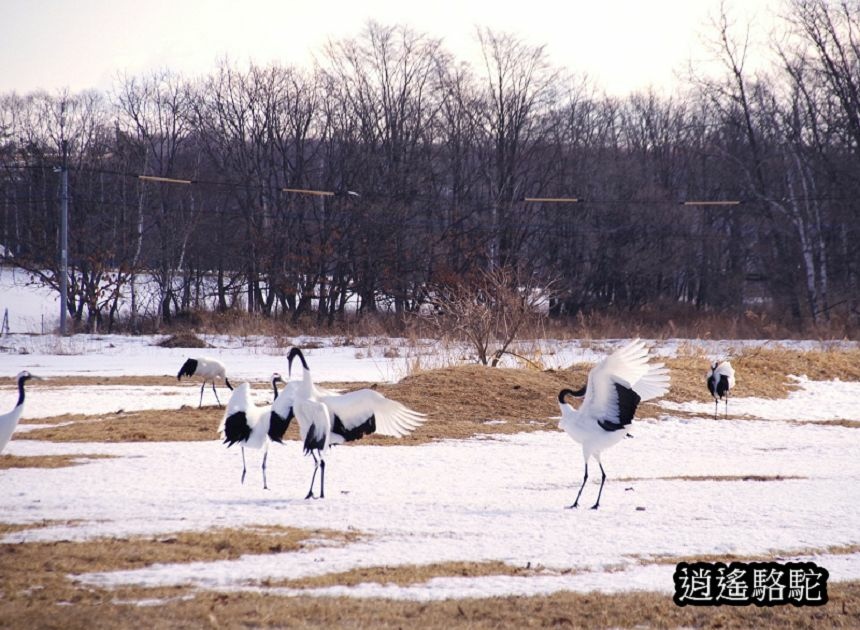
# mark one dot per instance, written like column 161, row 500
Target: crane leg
column 310, row 494
column 322, row 478
column 214, row 391
column 602, row 481
column 244, row 470
column 716, row 407
column 727, row 405
column 200, row 404
column 265, row 455
column 584, row 479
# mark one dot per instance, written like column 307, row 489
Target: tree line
column 450, row 162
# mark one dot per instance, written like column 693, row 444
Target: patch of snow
column 462, row 500
column 815, row 401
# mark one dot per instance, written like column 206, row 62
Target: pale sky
column 624, row 45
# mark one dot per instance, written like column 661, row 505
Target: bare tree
column 489, row 310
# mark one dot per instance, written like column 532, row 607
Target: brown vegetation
column 46, row 461
column 37, row 578
column 467, row 400
column 37, row 586
column 762, row 372
column 34, row 602
column 183, row 340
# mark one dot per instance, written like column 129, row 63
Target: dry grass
column 774, row 555
column 166, row 380
column 524, row 399
column 186, row 424
column 181, row 608
column 183, row 340
column 460, row 401
column 761, row 372
column 46, row 461
column 405, row 575
column 468, row 400
column 36, row 577
column 715, row 478
column 10, row 528
column 848, row 424
column 38, row 589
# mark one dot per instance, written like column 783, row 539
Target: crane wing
column 622, row 380
column 356, row 410
column 235, row 425
column 313, row 417
column 282, row 411
column 725, row 369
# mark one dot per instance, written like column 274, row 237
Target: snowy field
column 495, row 498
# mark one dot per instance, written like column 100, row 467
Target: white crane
column 208, row 369
column 251, row 426
column 9, row 420
column 327, row 418
column 721, row 378
column 615, row 388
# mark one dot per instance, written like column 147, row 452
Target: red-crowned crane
column 326, row 418
column 614, row 389
column 250, row 426
column 721, row 379
column 208, row 369
column 9, row 420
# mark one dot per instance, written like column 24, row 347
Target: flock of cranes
column 326, row 418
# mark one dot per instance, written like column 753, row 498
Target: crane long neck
column 20, row 392
column 306, row 378
column 569, row 392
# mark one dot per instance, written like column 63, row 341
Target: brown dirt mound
column 183, row 340
column 460, row 401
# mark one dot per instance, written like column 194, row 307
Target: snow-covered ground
column 498, row 498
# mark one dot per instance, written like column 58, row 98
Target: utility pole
column 64, row 239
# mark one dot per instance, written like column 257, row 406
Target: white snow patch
column 814, row 401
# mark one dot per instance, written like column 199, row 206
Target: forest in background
column 447, row 160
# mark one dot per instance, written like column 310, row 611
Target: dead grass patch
column 11, row 528
column 461, row 400
column 778, row 555
column 182, row 608
column 404, row 575
column 761, row 372
column 35, row 577
column 186, row 424
column 848, row 424
column 183, row 340
column 47, row 461
column 715, row 478
column 166, row 380
column 469, row 400
column 37, row 589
